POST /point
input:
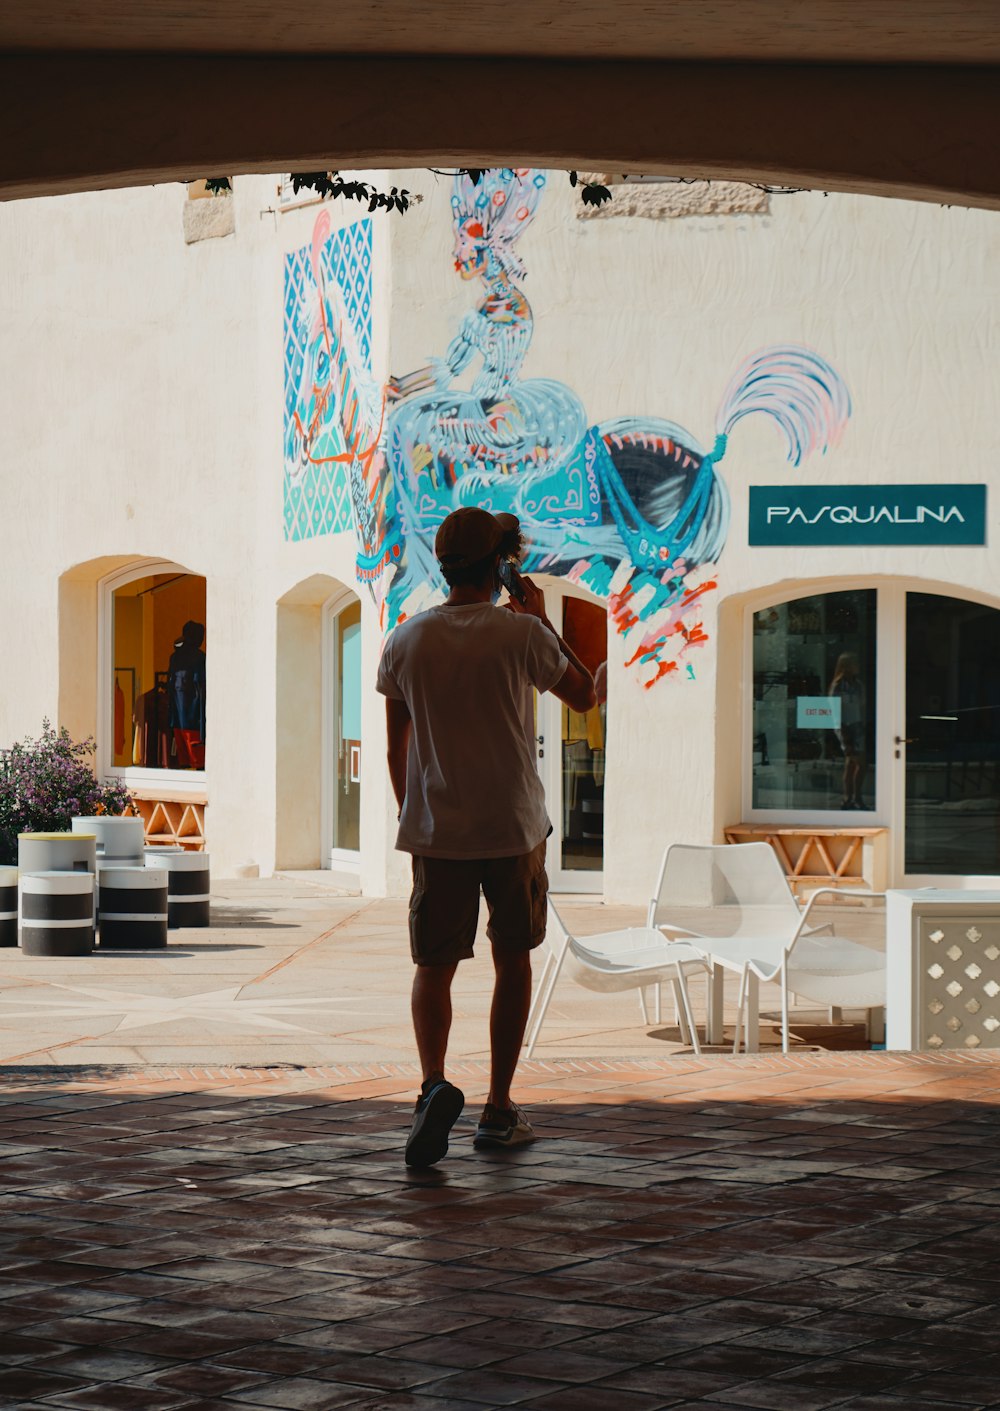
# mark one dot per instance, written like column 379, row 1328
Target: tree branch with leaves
column 330, row 185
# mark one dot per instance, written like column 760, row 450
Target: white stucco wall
column 141, row 400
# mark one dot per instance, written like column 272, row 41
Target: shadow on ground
column 183, row 950
column 801, row 1232
column 232, row 917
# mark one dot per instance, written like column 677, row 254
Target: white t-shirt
column 466, row 673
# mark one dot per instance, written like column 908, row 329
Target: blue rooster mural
column 632, row 508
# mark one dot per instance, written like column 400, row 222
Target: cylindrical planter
column 57, row 913
column 120, row 838
column 188, row 886
column 8, row 906
column 57, row 852
column 133, row 908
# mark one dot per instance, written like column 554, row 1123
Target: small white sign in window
column 817, row 713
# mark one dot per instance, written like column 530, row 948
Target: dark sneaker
column 502, row 1126
column 437, row 1111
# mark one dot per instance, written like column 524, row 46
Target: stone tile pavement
column 793, row 1233
column 294, row 971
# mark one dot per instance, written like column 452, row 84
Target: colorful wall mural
column 632, row 508
column 328, row 346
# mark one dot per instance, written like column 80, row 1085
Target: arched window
column 152, row 696
column 814, row 704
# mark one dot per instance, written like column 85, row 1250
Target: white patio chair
column 830, row 970
column 737, row 889
column 733, row 903
column 633, row 959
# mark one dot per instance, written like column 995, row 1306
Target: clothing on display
column 186, row 683
column 151, row 718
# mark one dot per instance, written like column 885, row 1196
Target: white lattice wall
column 960, row 983
column 943, row 970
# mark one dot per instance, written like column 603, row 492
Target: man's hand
column 534, row 603
column 576, row 685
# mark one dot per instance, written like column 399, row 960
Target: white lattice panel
column 958, row 990
column 942, row 952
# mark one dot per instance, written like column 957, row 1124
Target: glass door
column 572, row 756
column 950, row 746
column 346, row 753
column 815, row 709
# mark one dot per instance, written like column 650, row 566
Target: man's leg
column 440, row 1102
column 515, row 890
column 430, row 1006
column 508, row 1017
column 444, row 909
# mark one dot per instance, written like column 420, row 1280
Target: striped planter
column 8, row 906
column 117, row 838
column 56, row 852
column 57, row 913
column 188, row 886
column 133, row 908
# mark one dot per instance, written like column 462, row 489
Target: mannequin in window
column 186, row 684
column 847, row 684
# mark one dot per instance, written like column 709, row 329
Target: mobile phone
column 511, row 580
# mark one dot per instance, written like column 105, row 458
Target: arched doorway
column 342, row 732
column 572, row 748
column 318, row 708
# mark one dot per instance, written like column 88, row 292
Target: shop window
column 814, row 700
column 347, row 741
column 159, row 682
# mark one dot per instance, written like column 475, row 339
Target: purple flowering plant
column 46, row 782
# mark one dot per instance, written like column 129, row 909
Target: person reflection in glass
column 850, row 690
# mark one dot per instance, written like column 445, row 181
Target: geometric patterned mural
column 316, row 488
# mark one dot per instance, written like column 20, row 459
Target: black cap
column 470, row 534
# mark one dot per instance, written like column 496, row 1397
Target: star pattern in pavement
column 140, row 1011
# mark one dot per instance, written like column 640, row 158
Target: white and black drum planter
column 133, row 909
column 118, row 839
column 188, row 887
column 57, row 852
column 8, row 906
column 57, row 913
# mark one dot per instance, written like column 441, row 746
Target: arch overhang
column 84, row 121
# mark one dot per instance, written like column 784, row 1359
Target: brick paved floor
column 791, row 1233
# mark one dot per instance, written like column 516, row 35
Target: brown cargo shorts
column 444, row 905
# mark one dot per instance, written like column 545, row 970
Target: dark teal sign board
column 867, row 514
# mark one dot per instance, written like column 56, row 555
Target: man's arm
column 575, row 686
column 398, row 724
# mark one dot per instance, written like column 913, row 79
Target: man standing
column 458, row 681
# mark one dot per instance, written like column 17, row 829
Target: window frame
column 181, row 782
column 887, row 690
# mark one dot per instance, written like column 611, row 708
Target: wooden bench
column 822, row 857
